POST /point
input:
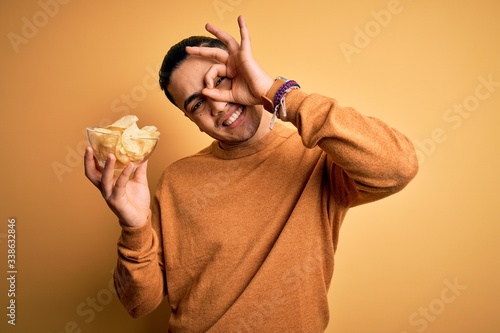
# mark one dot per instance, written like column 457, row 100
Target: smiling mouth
column 233, row 117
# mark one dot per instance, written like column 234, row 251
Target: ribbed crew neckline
column 254, row 148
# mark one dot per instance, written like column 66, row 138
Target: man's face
column 231, row 124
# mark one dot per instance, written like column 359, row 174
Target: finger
column 227, row 39
column 90, row 165
column 89, row 152
column 108, row 176
column 244, row 34
column 122, row 180
column 219, row 95
column 208, row 52
column 213, row 74
column 141, row 173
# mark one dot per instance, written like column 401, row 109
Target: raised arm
column 369, row 159
column 372, row 159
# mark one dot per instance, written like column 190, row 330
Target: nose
column 216, row 107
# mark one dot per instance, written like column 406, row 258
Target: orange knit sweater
column 244, row 240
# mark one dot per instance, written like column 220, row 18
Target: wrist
column 136, row 237
column 274, row 100
column 268, row 97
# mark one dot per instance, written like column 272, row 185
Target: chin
column 251, row 124
column 245, row 131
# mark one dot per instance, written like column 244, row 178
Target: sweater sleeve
column 139, row 275
column 367, row 159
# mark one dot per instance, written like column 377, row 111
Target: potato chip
column 125, row 140
column 151, row 129
column 124, row 122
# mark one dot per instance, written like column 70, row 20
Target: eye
column 196, row 105
column 219, row 80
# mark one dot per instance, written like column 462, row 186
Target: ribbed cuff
column 293, row 99
column 137, row 238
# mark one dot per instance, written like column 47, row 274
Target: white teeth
column 233, row 117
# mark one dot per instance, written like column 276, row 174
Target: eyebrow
column 190, row 99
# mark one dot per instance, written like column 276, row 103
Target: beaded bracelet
column 279, row 100
column 283, row 90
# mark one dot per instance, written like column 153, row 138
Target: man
column 241, row 236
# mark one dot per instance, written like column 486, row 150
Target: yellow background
column 89, row 62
